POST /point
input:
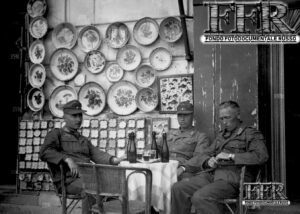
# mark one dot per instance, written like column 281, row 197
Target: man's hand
column 180, row 170
column 212, row 162
column 116, row 161
column 223, row 156
column 72, row 166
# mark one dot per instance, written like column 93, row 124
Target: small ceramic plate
column 117, row 35
column 129, row 57
column 92, row 97
column 170, row 29
column 37, row 51
column 160, row 59
column 121, row 97
column 89, row 38
column 64, row 35
column 38, row 27
column 36, row 8
column 145, row 31
column 35, row 99
column 59, row 97
column 145, row 76
column 114, row 72
column 94, row 61
column 146, row 99
column 37, row 75
column 64, row 64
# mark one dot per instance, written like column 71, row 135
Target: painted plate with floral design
column 64, row 35
column 146, row 99
column 59, row 97
column 121, row 98
column 37, row 51
column 64, row 64
column 92, row 97
column 36, row 8
column 89, row 38
column 129, row 57
column 37, row 75
column 94, row 61
column 160, row 59
column 145, row 76
column 170, row 29
column 35, row 99
column 38, row 27
column 145, row 31
column 117, row 35
column 114, row 72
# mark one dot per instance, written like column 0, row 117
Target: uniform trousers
column 201, row 191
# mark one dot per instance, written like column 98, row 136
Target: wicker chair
column 112, row 181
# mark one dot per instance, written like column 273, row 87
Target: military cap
column 185, row 108
column 73, row 107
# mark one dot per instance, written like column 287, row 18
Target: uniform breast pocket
column 237, row 146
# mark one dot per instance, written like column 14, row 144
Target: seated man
column 67, row 146
column 186, row 143
column 240, row 144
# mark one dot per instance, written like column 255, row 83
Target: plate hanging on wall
column 64, row 35
column 146, row 99
column 117, row 35
column 35, row 99
column 145, row 31
column 160, row 59
column 36, row 8
column 145, row 76
column 92, row 97
column 38, row 27
column 94, row 61
column 114, row 72
column 170, row 29
column 89, row 38
column 37, row 75
column 37, row 51
column 129, row 57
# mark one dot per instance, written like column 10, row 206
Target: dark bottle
column 165, row 149
column 131, row 149
column 154, row 145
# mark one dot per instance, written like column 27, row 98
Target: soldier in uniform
column 237, row 143
column 67, row 146
column 186, row 143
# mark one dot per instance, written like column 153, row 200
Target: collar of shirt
column 237, row 131
column 189, row 132
column 73, row 132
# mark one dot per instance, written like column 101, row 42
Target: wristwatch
column 231, row 156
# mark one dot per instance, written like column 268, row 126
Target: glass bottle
column 131, row 148
column 165, row 149
column 154, row 145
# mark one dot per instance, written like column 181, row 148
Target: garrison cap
column 185, row 108
column 73, row 107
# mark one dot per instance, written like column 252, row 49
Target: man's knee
column 177, row 187
column 200, row 196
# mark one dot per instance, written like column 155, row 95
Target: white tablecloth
column 164, row 175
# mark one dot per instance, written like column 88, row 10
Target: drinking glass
column 139, row 154
column 146, row 155
column 152, row 154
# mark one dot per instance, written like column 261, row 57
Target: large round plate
column 37, row 75
column 37, row 51
column 145, row 76
column 89, row 38
column 94, row 61
column 64, row 35
column 64, row 64
column 92, row 97
column 129, row 57
column 117, row 35
column 160, row 59
column 35, row 99
column 59, row 97
column 36, row 8
column 114, row 72
column 145, row 31
column 170, row 29
column 121, row 98
column 38, row 27
column 146, row 99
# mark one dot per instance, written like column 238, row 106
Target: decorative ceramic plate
column 160, row 59
column 114, row 72
column 92, row 97
column 38, row 27
column 117, row 35
column 64, row 64
column 36, row 8
column 129, row 57
column 35, row 99
column 37, row 75
column 89, row 38
column 37, row 51
column 170, row 29
column 121, row 98
column 64, row 35
column 145, row 31
column 59, row 97
column 145, row 76
column 94, row 61
column 146, row 99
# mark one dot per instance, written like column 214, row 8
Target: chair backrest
column 108, row 180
